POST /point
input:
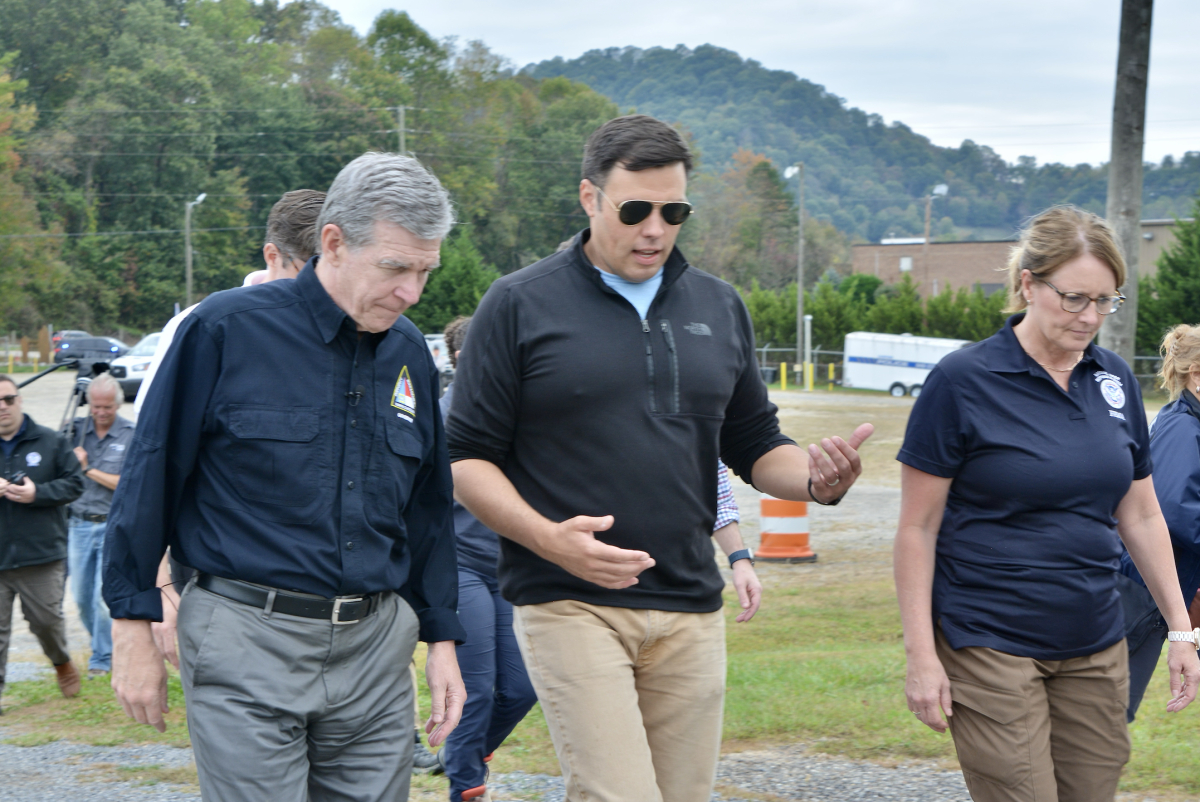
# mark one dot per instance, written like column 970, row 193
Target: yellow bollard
column 782, row 375
column 10, row 363
column 35, row 364
column 830, row 377
column 808, row 376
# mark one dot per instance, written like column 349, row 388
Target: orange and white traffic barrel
column 784, row 531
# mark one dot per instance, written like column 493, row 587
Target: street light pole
column 798, row 169
column 187, row 244
column 940, row 191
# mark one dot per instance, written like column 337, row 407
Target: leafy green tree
column 897, row 309
column 835, row 314
column 1174, row 293
column 456, row 287
column 773, row 313
column 29, row 260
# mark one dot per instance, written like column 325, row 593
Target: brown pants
column 1031, row 730
column 633, row 698
column 41, row 590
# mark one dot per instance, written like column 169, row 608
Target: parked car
column 67, row 334
column 97, row 349
column 130, row 369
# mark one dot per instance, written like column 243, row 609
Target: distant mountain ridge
column 866, row 177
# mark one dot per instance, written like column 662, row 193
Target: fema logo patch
column 404, row 398
column 1110, row 388
column 33, row 459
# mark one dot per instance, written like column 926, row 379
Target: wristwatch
column 1192, row 637
column 741, row 554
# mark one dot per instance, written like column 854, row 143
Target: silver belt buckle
column 337, row 610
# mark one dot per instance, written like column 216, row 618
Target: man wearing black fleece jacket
column 586, row 436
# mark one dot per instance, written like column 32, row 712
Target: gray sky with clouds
column 1027, row 77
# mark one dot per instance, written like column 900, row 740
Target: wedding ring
column 836, row 479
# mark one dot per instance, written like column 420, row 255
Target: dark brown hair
column 456, row 334
column 292, row 224
column 635, row 142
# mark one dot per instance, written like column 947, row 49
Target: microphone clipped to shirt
column 356, row 395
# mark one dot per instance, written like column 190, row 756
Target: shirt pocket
column 278, row 454
column 400, row 464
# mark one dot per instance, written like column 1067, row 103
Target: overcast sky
column 1027, row 77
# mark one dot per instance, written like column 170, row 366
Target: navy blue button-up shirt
column 280, row 446
column 1028, row 547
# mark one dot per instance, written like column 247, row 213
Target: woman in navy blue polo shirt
column 1175, row 447
column 1026, row 456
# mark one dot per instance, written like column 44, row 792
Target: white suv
column 130, row 369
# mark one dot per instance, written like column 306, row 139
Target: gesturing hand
column 837, row 467
column 573, row 546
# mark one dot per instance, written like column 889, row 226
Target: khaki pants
column 1031, row 730
column 633, row 698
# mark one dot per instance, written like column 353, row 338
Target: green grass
column 36, row 713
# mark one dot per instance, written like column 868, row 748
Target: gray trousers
column 297, row 709
column 41, row 590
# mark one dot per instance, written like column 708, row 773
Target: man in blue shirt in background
column 292, row 452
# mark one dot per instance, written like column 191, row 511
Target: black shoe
column 424, row 760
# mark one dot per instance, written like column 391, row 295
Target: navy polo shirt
column 1028, row 549
column 278, row 445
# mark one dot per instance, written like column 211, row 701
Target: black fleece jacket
column 36, row 533
column 591, row 411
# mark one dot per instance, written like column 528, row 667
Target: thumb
column 947, row 702
column 590, row 523
column 860, row 435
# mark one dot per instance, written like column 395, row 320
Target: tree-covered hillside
column 116, row 113
column 867, row 178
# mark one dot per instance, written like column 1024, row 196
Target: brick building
column 967, row 264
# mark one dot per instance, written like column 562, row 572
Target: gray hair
column 390, row 188
column 102, row 383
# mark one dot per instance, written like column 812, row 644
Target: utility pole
column 400, row 130
column 187, row 244
column 798, row 169
column 1124, row 210
column 939, row 191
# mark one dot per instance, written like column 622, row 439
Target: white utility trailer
column 897, row 363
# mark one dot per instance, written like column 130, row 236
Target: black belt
column 340, row 610
column 91, row 517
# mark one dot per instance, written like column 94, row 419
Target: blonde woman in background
column 1026, row 456
column 1175, row 448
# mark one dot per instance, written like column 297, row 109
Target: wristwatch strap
column 741, row 554
column 1192, row 637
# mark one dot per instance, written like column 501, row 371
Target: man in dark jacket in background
column 39, row 475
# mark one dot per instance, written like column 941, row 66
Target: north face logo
column 699, row 329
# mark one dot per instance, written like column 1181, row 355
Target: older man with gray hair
column 291, row 451
column 101, row 442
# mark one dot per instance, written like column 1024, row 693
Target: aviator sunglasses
column 632, row 212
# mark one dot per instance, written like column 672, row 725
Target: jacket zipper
column 666, row 329
column 649, row 364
